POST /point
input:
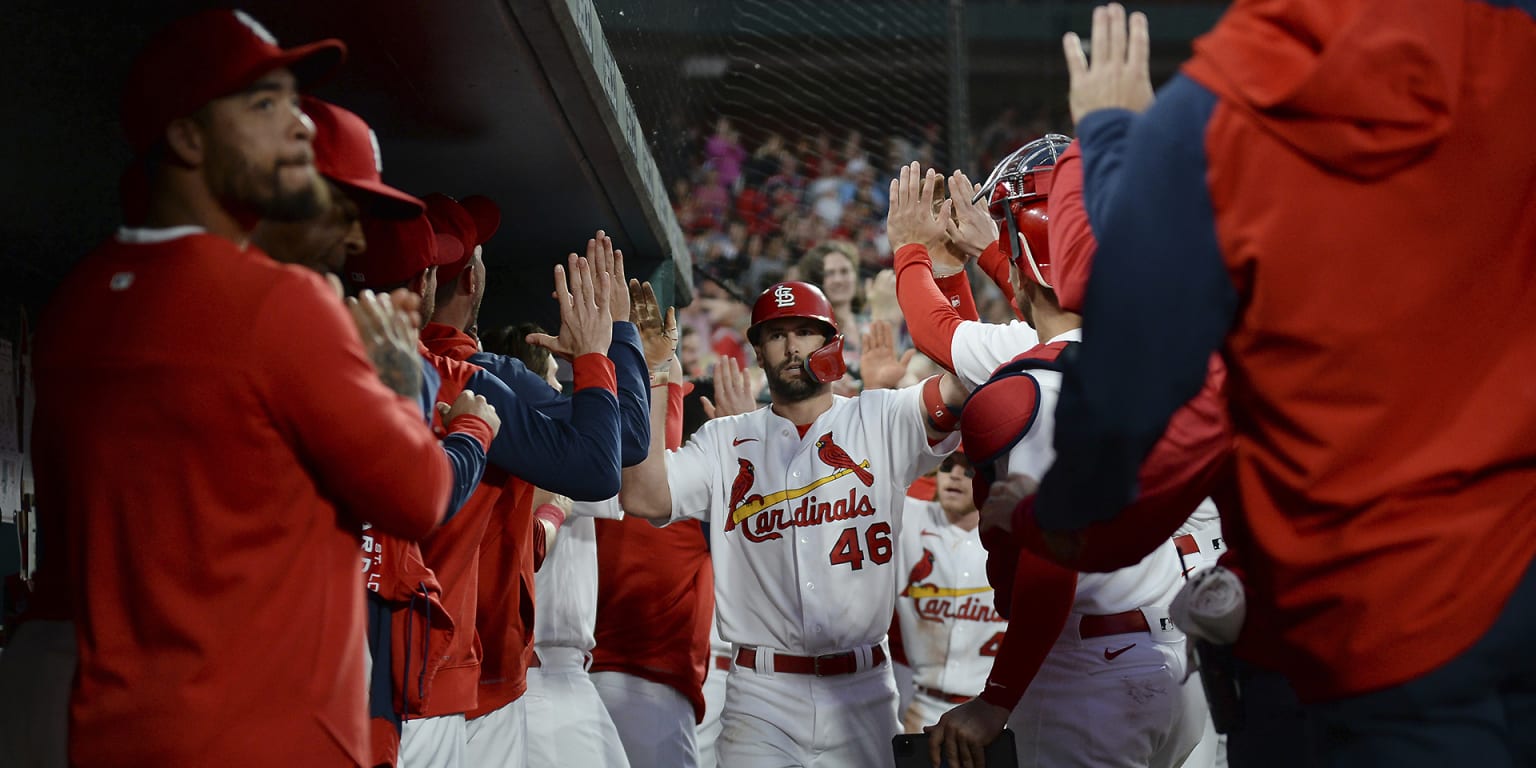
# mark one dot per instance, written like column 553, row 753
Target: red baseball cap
column 487, row 216
column 347, row 152
column 398, row 250
column 205, row 56
column 452, row 218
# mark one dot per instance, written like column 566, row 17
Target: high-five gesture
column 658, row 333
column 606, row 260
column 1118, row 75
column 912, row 218
column 586, row 326
column 972, row 229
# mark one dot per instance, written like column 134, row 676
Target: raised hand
column 1118, row 76
column 912, row 218
column 658, row 334
column 972, row 228
column 607, row 260
column 732, row 391
column 388, row 324
column 878, row 365
column 880, row 290
column 586, row 325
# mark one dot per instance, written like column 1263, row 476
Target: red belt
column 1113, row 624
column 723, row 662
column 845, row 663
column 1187, row 544
column 952, row 698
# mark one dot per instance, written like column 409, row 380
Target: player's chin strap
column 826, row 364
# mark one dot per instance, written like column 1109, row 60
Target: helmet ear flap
column 826, row 364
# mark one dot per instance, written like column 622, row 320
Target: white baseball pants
column 654, row 721
column 498, row 739
column 567, row 722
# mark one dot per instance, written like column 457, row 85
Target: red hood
column 1362, row 87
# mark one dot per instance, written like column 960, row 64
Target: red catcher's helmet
column 796, row 299
column 1018, row 188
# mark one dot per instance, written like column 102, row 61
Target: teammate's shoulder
column 998, row 414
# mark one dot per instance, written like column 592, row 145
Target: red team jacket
column 656, row 594
column 208, row 442
column 1339, row 196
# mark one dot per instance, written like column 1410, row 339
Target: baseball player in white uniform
column 1107, row 690
column 803, row 499
column 567, row 722
column 949, row 627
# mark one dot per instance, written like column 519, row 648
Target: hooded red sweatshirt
column 1341, row 196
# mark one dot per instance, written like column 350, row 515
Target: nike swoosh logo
column 1111, row 655
column 740, row 440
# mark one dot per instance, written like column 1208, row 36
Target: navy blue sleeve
column 634, row 378
column 430, row 381
column 576, row 457
column 529, row 386
column 1159, row 302
column 468, row 462
column 630, row 370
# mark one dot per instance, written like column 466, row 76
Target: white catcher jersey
column 566, row 584
column 949, row 626
column 803, row 531
column 978, row 349
column 1154, row 580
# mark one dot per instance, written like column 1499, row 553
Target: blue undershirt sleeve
column 1159, row 302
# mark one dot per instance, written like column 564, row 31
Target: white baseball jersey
column 949, row 626
column 804, row 529
column 1154, row 580
column 978, row 349
column 566, row 584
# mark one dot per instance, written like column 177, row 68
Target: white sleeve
column 979, row 348
column 693, row 472
column 607, row 509
column 907, row 433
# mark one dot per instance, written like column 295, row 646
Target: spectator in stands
column 724, row 150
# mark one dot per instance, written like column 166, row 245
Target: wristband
column 550, row 512
column 940, row 415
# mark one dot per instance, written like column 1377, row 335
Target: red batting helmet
column 796, row 299
column 1018, row 188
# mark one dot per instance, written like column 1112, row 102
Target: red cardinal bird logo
column 921, row 571
column 739, row 488
column 836, row 457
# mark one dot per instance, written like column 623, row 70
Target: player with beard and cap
column 576, row 457
column 804, row 564
column 211, row 436
column 498, row 725
column 348, row 159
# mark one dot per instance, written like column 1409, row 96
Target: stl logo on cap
column 256, row 28
column 784, row 296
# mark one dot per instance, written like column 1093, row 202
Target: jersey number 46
column 877, row 539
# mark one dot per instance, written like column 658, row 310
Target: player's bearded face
column 257, row 153
column 783, row 351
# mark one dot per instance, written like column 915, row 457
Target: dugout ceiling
column 516, row 99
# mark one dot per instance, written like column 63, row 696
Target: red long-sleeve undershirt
column 934, row 307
